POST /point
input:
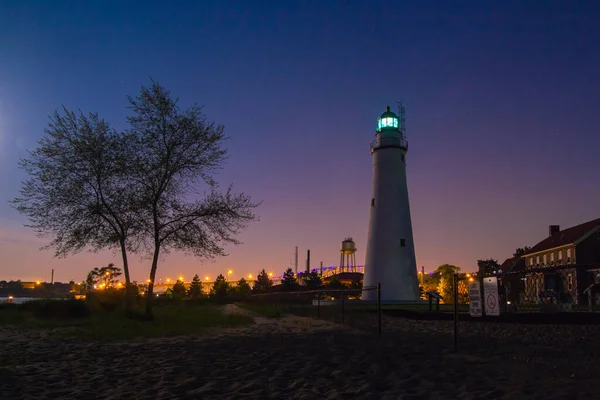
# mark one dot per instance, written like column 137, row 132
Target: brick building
column 562, row 265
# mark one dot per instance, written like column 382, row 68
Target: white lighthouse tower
column 390, row 247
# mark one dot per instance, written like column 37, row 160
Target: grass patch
column 265, row 309
column 170, row 320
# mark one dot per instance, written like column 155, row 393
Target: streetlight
column 168, row 280
column 270, row 274
column 249, row 276
column 181, row 278
column 229, row 273
column 206, row 278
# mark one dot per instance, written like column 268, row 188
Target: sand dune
column 297, row 358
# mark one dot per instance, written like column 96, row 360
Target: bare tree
column 172, row 152
column 76, row 188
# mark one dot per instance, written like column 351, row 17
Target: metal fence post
column 318, row 305
column 379, row 309
column 455, row 312
column 342, row 307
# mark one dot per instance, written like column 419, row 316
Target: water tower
column 348, row 256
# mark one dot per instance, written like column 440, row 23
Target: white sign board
column 475, row 299
column 490, row 296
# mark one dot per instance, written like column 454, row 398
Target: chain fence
column 343, row 306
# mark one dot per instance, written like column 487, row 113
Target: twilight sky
column 502, row 102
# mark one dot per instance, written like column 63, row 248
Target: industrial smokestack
column 52, row 277
column 321, row 268
column 552, row 229
column 296, row 261
column 307, row 261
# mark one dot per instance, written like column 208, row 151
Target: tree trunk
column 127, row 278
column 150, row 295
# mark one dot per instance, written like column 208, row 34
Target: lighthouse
column 390, row 248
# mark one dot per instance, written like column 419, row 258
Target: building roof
column 565, row 237
column 513, row 264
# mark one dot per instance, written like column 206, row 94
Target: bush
column 8, row 306
column 106, row 300
column 56, row 309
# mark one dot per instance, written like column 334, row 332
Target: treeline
column 104, row 280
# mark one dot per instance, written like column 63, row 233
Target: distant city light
column 181, row 278
column 249, row 276
column 206, row 278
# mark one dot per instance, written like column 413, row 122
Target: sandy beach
column 299, row 358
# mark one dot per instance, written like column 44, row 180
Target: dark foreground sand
column 297, row 358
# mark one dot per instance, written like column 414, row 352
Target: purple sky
column 502, row 104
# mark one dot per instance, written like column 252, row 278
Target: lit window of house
column 544, row 259
column 551, row 257
column 568, row 255
column 570, row 282
column 560, row 255
column 531, row 261
column 537, row 260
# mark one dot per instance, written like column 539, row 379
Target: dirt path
column 286, row 323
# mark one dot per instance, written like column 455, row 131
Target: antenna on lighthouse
column 402, row 116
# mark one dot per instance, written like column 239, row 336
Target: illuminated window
column 551, row 257
column 537, row 260
column 560, row 255
column 570, row 282
column 568, row 255
column 531, row 261
column 395, row 123
column 544, row 259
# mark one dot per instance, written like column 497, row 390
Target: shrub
column 8, row 306
column 106, row 300
column 56, row 309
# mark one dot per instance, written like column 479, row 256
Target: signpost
column 490, row 296
column 475, row 308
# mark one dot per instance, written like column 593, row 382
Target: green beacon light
column 387, row 121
